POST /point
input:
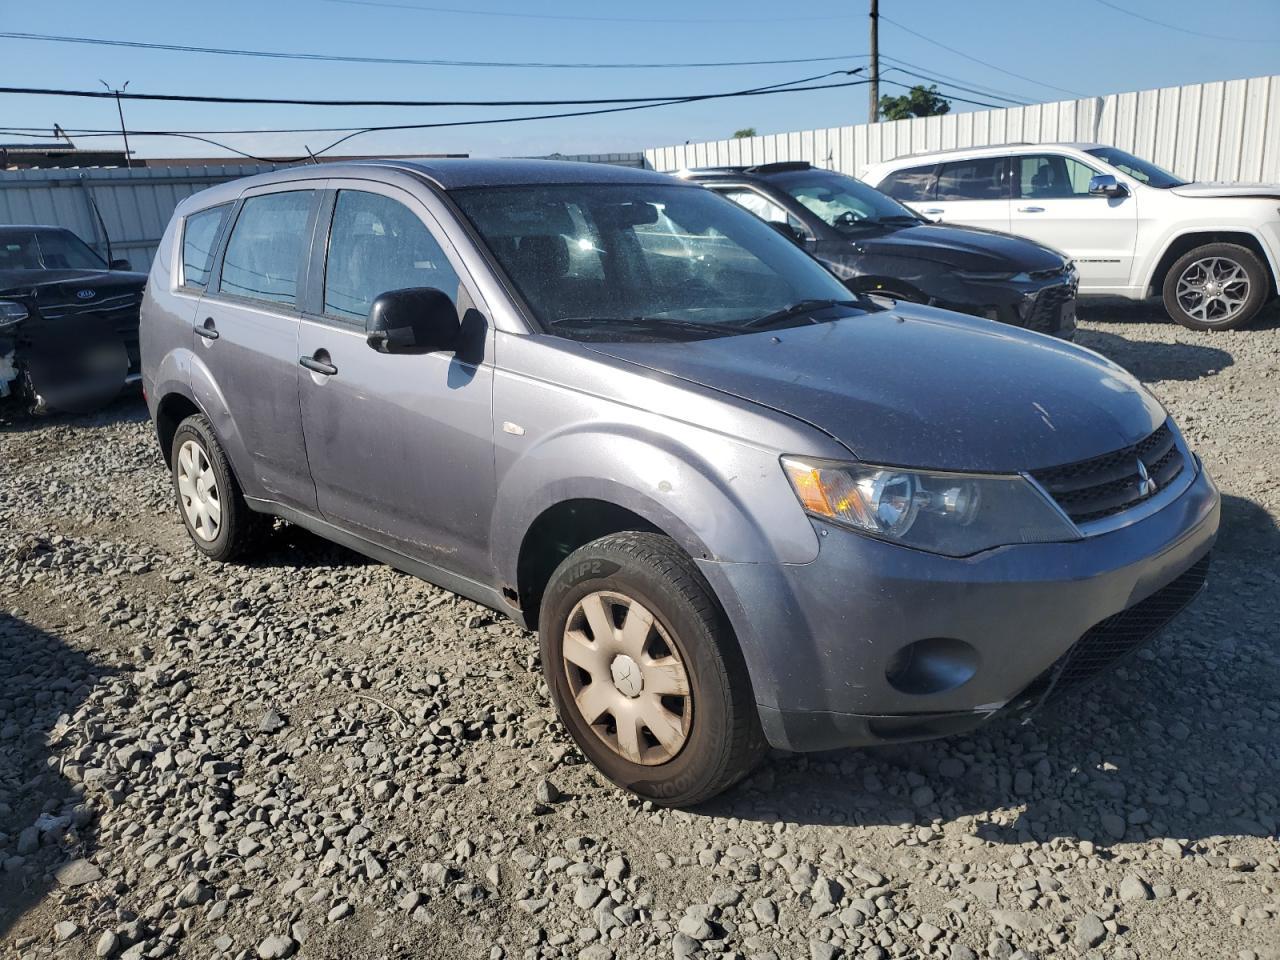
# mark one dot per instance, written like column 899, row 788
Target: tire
column 1214, row 308
column 210, row 502
column 711, row 735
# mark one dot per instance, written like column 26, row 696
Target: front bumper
column 819, row 637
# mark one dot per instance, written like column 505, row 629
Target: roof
column 759, row 169
column 461, row 174
column 1018, row 147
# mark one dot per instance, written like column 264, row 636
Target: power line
column 936, row 80
column 959, row 82
column 405, row 61
column 295, row 102
column 948, row 94
column 1194, row 33
column 961, row 53
column 581, row 18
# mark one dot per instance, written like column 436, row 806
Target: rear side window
column 982, row 178
column 378, row 244
column 198, row 237
column 267, row 246
column 915, row 183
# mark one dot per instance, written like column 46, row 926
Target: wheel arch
column 1198, row 237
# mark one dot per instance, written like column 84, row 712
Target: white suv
column 1133, row 229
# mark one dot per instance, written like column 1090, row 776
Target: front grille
column 1106, row 485
column 1116, row 637
column 1046, row 313
column 119, row 304
column 1047, row 274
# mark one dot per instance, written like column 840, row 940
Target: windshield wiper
column 794, row 310
column 640, row 323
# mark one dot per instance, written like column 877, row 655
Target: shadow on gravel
column 42, row 810
column 295, row 548
column 1172, row 744
column 1117, row 310
column 127, row 408
column 1152, row 361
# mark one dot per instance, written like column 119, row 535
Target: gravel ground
column 316, row 755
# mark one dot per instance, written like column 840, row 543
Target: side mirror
column 1105, row 185
column 413, row 320
column 120, row 264
column 787, row 230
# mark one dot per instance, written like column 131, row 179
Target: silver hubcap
column 627, row 678
column 198, row 490
column 1213, row 290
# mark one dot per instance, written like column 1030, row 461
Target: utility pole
column 128, row 161
column 873, row 110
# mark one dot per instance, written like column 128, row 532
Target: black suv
column 68, row 321
column 876, row 245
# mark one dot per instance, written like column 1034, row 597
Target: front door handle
column 319, row 364
column 933, row 211
column 208, row 331
column 1031, row 209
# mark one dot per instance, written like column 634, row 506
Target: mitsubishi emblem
column 1146, row 486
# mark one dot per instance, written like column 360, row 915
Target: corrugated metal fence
column 1228, row 130
column 135, row 205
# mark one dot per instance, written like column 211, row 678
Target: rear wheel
column 220, row 523
column 645, row 672
column 1220, row 286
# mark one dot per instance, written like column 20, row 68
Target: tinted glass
column 1142, row 170
column 18, row 251
column 378, row 244
column 979, row 179
column 198, row 238
column 628, row 252
column 841, row 201
column 47, row 250
column 267, row 246
column 909, row 185
column 1050, row 176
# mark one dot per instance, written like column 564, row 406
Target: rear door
column 247, row 339
column 400, row 445
column 973, row 192
column 1053, row 205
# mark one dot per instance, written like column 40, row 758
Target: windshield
column 1141, row 170
column 46, row 250
column 646, row 260
column 842, row 202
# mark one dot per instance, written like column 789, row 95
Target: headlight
column 11, row 313
column 953, row 514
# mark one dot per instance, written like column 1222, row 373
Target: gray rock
column 820, row 950
column 1114, row 825
column 77, row 873
column 692, row 925
column 1090, row 932
column 684, row 946
column 765, row 911
column 107, row 944
column 276, row 947
column 65, row 930
column 1133, row 887
column 588, row 895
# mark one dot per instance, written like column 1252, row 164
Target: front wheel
column 1220, row 286
column 645, row 672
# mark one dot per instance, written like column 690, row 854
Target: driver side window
column 1049, row 176
column 762, row 207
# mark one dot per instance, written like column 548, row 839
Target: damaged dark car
column 875, row 245
column 68, row 322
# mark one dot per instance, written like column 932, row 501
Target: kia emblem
column 86, row 294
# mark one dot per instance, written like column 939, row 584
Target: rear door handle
column 1031, row 209
column 208, row 331
column 317, row 365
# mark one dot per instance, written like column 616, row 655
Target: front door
column 400, row 445
column 1053, row 206
column 246, row 335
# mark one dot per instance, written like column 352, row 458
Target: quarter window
column 982, row 178
column 378, row 244
column 1049, row 176
column 912, row 185
column 198, row 238
column 265, row 253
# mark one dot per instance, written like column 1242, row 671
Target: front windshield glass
column 1141, row 170
column 646, row 260
column 843, row 202
column 46, row 250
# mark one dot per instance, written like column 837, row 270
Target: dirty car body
column 1036, row 513
column 68, row 321
column 874, row 244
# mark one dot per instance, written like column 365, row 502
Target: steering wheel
column 846, row 218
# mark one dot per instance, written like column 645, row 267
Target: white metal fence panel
column 1225, row 130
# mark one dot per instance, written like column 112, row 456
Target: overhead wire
column 585, row 18
column 1197, row 32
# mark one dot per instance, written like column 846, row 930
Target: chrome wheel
column 1213, row 290
column 627, row 678
column 198, row 490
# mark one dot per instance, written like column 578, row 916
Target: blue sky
column 1081, row 45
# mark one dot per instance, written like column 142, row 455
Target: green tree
column 744, row 133
column 919, row 101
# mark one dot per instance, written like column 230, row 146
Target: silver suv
column 740, row 506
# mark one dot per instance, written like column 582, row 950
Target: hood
column 963, row 248
column 921, row 387
column 1257, row 191
column 60, row 287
